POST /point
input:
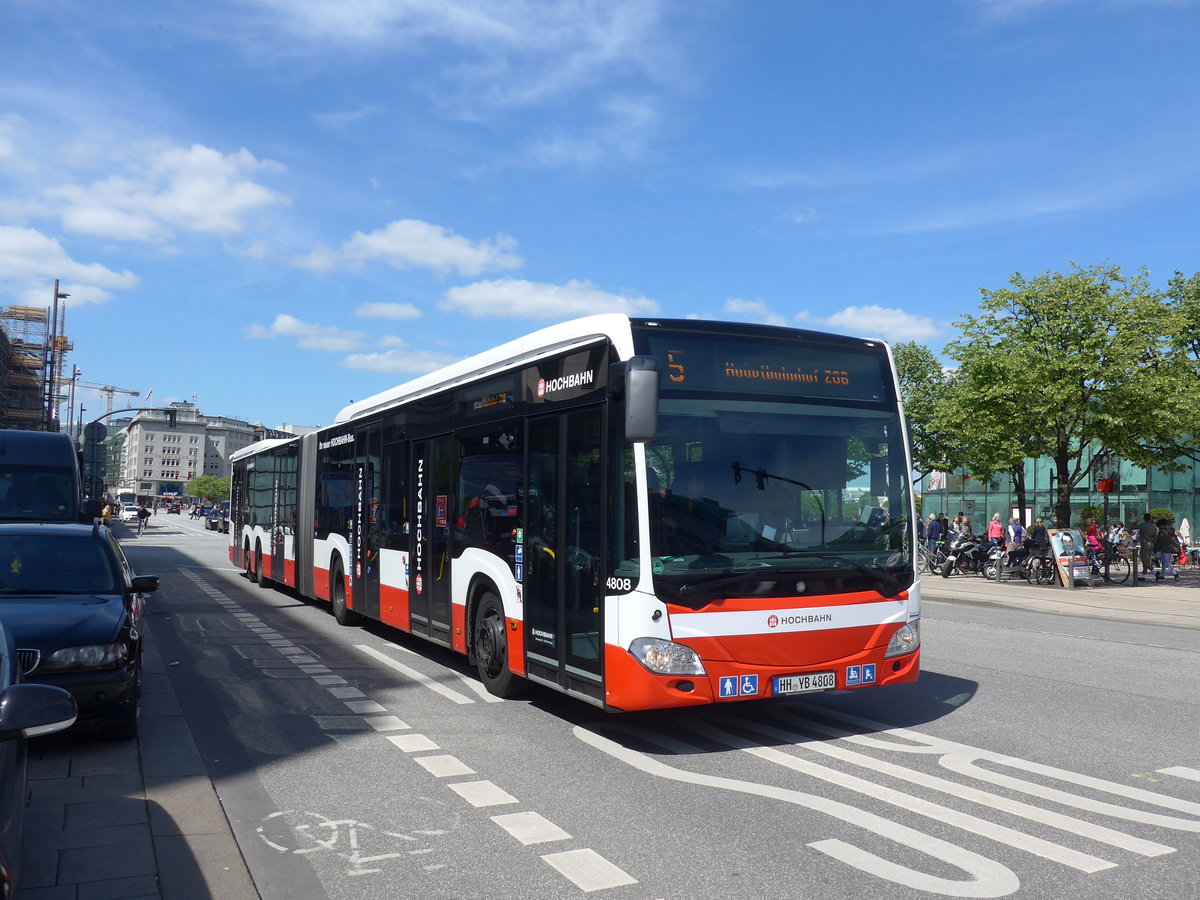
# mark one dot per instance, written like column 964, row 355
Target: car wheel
column 491, row 650
column 337, row 597
column 124, row 727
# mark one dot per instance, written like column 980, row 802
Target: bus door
column 433, row 478
column 368, row 487
column 563, row 548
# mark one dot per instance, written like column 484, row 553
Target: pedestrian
column 933, row 532
column 106, row 514
column 1016, row 531
column 1166, row 545
column 995, row 530
column 921, row 528
column 143, row 517
column 1147, row 534
column 1040, row 536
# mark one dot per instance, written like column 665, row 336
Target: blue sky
column 283, row 206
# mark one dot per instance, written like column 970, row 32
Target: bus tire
column 263, row 580
column 490, row 646
column 248, row 563
column 337, row 599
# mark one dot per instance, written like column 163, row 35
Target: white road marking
column 345, row 693
column 1066, row 823
column 413, row 743
column 589, row 870
column 477, row 687
column 444, row 766
column 421, row 679
column 985, row 877
column 385, row 723
column 531, row 828
column 366, row 706
column 972, row 824
column 482, row 793
column 329, row 679
column 1181, row 772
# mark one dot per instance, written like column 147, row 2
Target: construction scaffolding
column 24, row 340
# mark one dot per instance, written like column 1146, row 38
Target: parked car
column 128, row 513
column 218, row 518
column 174, row 508
column 26, row 710
column 75, row 609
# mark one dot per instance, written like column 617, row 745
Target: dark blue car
column 76, row 611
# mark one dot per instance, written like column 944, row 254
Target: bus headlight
column 906, row 639
column 666, row 657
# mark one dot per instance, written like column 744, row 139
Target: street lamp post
column 52, row 361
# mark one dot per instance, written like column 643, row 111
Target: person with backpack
column 1166, row 545
column 1016, row 531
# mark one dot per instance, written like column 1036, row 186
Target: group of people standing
column 1156, row 542
column 939, row 528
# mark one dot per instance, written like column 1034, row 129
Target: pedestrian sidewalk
column 1167, row 602
column 129, row 819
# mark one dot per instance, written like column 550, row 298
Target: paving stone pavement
column 111, row 820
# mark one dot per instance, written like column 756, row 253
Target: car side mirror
column 34, row 710
column 144, row 584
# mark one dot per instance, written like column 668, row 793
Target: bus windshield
column 766, row 490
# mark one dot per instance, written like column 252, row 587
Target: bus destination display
column 771, row 367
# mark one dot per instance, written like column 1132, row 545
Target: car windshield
column 775, row 489
column 54, row 564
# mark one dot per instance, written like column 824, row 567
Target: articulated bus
column 639, row 513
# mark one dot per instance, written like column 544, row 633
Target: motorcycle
column 963, row 554
column 1010, row 560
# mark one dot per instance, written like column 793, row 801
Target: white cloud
column 399, row 360
column 513, row 298
column 309, row 335
column 518, row 53
column 171, row 189
column 876, row 321
column 387, row 311
column 752, row 310
column 411, row 243
column 30, row 260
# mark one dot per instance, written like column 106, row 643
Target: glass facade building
column 1135, row 490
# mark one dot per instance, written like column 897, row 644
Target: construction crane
column 108, row 390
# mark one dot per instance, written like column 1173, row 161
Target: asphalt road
column 1039, row 755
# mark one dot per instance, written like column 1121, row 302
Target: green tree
column 215, row 487
column 923, row 381
column 1069, row 365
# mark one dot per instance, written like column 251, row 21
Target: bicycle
column 1042, row 569
column 931, row 560
column 1118, row 559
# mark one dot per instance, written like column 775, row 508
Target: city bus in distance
column 639, row 513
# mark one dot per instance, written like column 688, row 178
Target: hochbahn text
column 639, row 513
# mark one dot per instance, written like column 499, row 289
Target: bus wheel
column 337, row 599
column 263, row 580
column 491, row 649
column 248, row 563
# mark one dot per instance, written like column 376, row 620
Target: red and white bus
column 640, row 513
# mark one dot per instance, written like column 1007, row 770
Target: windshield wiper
column 693, row 586
column 886, row 580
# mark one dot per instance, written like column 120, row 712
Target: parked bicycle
column 1118, row 559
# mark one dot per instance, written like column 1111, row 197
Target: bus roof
column 614, row 326
column 259, row 447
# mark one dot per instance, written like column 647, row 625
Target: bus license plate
column 803, row 684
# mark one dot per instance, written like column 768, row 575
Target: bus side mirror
column 638, row 380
